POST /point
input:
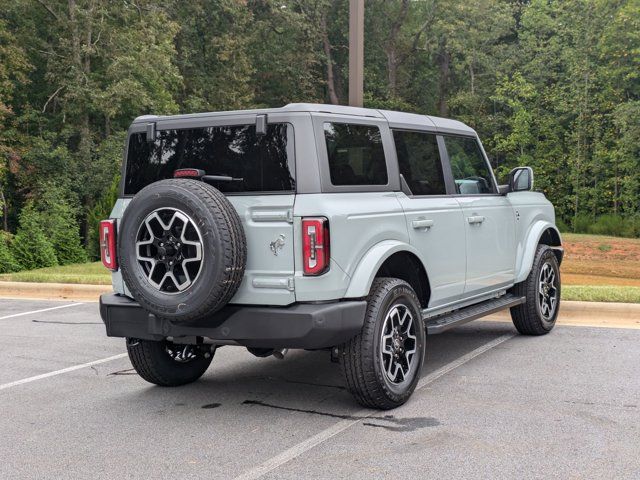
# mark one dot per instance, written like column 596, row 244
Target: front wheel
column 382, row 364
column 541, row 289
column 169, row 364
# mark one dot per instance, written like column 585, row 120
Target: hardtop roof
column 395, row 119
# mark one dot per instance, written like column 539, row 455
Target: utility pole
column 356, row 52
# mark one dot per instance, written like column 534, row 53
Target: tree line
column 546, row 83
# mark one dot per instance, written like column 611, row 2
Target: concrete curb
column 591, row 314
column 53, row 291
column 596, row 314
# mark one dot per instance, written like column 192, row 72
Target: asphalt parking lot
column 491, row 404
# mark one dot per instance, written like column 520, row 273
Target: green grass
column 601, row 293
column 89, row 273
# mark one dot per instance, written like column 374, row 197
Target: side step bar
column 458, row 317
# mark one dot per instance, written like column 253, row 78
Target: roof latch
column 261, row 124
column 151, row 132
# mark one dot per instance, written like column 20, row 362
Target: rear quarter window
column 355, row 153
column 258, row 163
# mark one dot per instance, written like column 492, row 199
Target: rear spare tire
column 181, row 249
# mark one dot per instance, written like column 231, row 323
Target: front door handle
column 475, row 219
column 417, row 224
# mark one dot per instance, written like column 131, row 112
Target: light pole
column 356, row 52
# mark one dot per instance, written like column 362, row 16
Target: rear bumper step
column 445, row 322
column 300, row 325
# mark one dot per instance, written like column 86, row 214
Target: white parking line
column 40, row 311
column 342, row 425
column 60, row 372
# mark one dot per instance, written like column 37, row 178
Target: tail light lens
column 188, row 173
column 108, row 244
column 315, row 245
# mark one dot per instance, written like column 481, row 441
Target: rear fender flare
column 371, row 262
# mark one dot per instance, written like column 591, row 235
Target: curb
column 595, row 314
column 590, row 314
column 53, row 291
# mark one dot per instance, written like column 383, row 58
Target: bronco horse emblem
column 277, row 244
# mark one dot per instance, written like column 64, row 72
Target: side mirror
column 521, row 179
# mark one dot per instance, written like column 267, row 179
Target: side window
column 356, row 156
column 470, row 170
column 419, row 162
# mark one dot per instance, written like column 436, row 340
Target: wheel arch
column 541, row 233
column 390, row 259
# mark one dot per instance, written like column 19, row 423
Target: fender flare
column 371, row 262
column 528, row 248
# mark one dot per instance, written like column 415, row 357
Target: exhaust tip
column 279, row 353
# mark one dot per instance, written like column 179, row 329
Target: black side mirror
column 521, row 179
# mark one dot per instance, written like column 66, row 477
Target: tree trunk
column 82, row 59
column 392, row 68
column 5, row 212
column 472, row 77
column 391, row 49
column 444, row 61
column 326, row 43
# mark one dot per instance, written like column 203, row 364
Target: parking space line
column 40, row 311
column 60, row 372
column 323, row 436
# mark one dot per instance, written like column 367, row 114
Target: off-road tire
column 361, row 360
column 527, row 317
column 224, row 249
column 152, row 362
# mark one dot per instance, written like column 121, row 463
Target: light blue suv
column 319, row 227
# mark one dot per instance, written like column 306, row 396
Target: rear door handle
column 475, row 219
column 417, row 224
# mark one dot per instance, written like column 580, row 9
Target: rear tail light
column 315, row 245
column 108, row 244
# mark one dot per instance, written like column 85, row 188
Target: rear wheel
column 541, row 289
column 169, row 364
column 382, row 364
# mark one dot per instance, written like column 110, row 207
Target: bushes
column 31, row 248
column 613, row 225
column 48, row 233
column 7, row 261
column 59, row 221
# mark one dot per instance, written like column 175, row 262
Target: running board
column 459, row 317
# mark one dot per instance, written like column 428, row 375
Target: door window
column 471, row 172
column 356, row 155
column 419, row 162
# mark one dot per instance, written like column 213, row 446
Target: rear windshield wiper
column 221, row 178
column 199, row 174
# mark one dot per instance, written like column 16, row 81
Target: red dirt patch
column 598, row 260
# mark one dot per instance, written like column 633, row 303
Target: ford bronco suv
column 328, row 227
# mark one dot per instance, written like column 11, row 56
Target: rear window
column 356, row 155
column 258, row 163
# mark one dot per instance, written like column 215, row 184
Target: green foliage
column 58, row 221
column 7, row 262
column 613, row 225
column 31, row 247
column 553, row 85
column 609, row 224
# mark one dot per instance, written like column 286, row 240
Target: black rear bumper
column 302, row 325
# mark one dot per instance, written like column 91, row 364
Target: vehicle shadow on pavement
column 304, row 381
